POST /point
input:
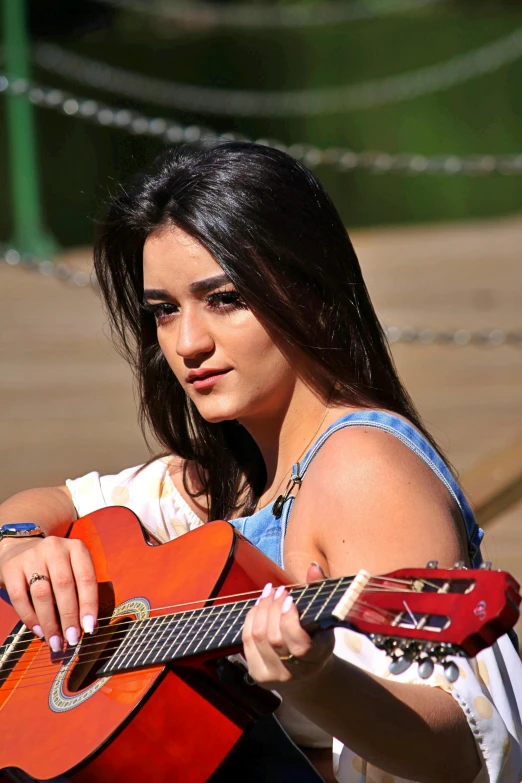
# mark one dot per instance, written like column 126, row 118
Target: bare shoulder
column 368, row 501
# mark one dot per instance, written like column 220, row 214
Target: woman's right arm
column 67, row 600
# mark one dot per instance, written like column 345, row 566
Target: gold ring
column 286, row 658
column 36, row 578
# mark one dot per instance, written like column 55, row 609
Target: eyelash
column 216, row 301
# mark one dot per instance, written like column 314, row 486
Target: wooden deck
column 66, row 404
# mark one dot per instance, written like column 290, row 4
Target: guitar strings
column 374, row 582
column 149, row 644
column 14, row 682
column 42, row 669
column 199, row 629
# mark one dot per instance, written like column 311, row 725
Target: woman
column 236, row 294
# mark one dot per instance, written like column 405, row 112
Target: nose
column 194, row 337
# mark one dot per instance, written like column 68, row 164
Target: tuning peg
column 432, row 564
column 400, row 665
column 459, row 564
column 451, row 671
column 426, row 667
column 487, row 565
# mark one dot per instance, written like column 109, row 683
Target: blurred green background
column 81, row 162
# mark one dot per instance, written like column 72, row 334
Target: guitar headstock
column 428, row 614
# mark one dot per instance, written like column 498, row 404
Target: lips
column 205, row 379
column 200, row 375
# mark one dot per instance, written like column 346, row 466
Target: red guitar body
column 162, row 724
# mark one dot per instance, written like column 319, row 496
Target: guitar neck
column 212, row 629
column 434, row 612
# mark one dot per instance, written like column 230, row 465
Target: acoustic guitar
column 152, row 695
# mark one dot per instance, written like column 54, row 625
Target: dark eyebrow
column 208, row 284
column 199, row 287
column 156, row 293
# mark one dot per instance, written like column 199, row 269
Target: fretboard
column 213, row 628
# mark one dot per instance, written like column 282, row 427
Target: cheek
column 255, row 351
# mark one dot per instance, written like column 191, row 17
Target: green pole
column 29, row 236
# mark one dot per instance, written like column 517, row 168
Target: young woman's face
column 221, row 354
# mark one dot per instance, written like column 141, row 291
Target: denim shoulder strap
column 413, row 439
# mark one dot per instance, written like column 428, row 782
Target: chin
column 217, row 413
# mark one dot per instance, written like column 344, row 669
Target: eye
column 162, row 312
column 226, row 300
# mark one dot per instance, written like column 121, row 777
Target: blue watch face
column 19, row 526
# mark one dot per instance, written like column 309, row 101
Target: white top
column 489, row 688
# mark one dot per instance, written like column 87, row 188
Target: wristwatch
column 21, row 530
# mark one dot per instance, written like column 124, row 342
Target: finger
column 64, row 589
column 263, row 663
column 42, row 598
column 16, row 586
column 311, row 652
column 274, row 632
column 315, row 572
column 251, row 653
column 260, row 617
column 294, row 637
column 86, row 585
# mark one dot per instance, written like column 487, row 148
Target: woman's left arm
column 384, row 510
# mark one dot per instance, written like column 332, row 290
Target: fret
column 209, row 646
column 144, row 635
column 221, row 608
column 150, row 636
column 311, row 601
column 190, row 622
column 237, row 635
column 223, row 642
column 174, row 622
column 339, row 584
column 125, row 659
column 117, row 657
column 298, row 595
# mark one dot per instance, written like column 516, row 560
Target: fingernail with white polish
column 257, row 602
column 88, row 623
column 279, row 592
column 71, row 635
column 287, row 604
column 55, row 643
column 37, row 630
column 267, row 589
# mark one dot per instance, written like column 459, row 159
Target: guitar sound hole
column 95, row 650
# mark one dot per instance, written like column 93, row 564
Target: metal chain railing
column 171, row 132
column 395, row 334
column 259, row 16
column 254, row 103
column 46, row 268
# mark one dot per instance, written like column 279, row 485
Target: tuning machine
column 487, row 565
column 400, row 663
column 451, row 671
column 426, row 667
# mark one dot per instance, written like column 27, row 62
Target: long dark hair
column 274, row 231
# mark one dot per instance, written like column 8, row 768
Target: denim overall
column 267, row 753
column 268, row 533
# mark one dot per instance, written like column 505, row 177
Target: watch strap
column 21, row 530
